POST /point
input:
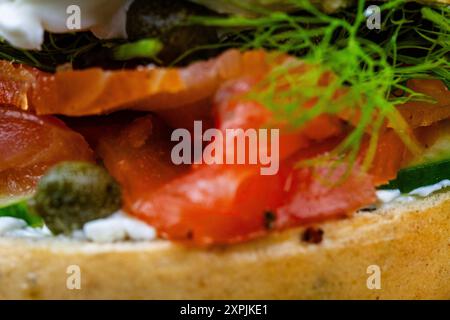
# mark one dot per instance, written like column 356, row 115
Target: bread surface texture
column 409, row 244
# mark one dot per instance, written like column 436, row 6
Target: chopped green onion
column 146, row 48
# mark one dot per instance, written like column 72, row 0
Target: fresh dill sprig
column 412, row 43
column 57, row 49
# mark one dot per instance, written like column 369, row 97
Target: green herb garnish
column 145, row 48
column 413, row 43
column 19, row 209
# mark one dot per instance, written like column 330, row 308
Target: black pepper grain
column 312, row 235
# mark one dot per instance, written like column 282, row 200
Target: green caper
column 168, row 22
column 73, row 193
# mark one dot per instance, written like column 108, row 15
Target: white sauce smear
column 118, row 227
column 122, row 227
column 389, row 196
column 23, row 22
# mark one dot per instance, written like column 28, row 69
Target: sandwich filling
column 217, row 122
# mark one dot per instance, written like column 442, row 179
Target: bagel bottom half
column 410, row 243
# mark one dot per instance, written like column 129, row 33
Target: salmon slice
column 15, row 83
column 422, row 114
column 30, row 144
column 95, row 91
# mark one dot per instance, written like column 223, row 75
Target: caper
column 168, row 21
column 73, row 193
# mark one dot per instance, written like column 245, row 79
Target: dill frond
column 57, row 49
column 413, row 43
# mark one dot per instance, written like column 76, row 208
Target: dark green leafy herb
column 56, row 50
column 19, row 209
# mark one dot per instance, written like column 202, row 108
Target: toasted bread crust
column 410, row 243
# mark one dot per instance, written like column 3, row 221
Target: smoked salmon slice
column 95, row 91
column 15, row 84
column 30, row 144
column 171, row 91
column 422, row 114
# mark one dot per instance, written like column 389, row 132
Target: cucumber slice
column 415, row 177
